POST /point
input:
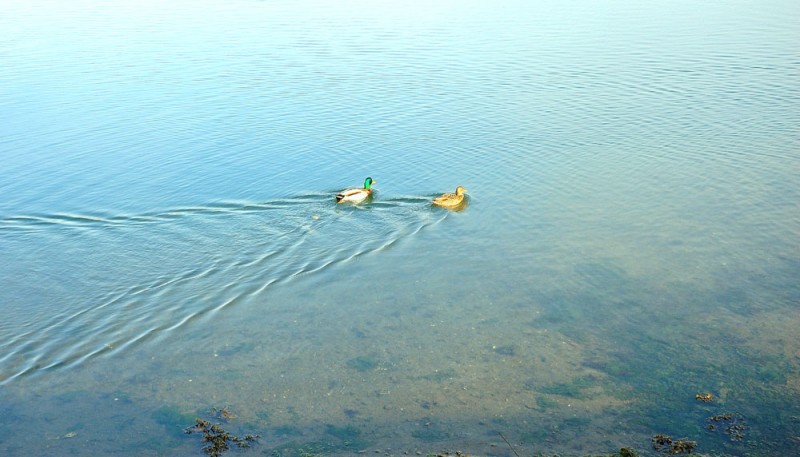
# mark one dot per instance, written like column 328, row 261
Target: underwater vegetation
column 217, row 438
column 667, row 445
column 732, row 424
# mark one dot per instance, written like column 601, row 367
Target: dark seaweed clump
column 669, row 446
column 732, row 424
column 217, row 438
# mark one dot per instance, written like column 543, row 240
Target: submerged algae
column 219, row 440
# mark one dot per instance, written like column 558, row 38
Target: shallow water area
column 171, row 243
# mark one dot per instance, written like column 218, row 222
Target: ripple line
column 33, row 221
column 293, row 246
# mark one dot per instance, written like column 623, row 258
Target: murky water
column 170, row 243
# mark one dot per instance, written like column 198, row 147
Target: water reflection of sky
column 174, row 245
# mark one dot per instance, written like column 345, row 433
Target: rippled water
column 170, row 241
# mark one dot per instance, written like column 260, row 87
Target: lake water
column 170, row 242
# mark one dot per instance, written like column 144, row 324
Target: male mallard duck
column 356, row 195
column 450, row 200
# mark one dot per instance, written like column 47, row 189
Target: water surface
column 170, row 241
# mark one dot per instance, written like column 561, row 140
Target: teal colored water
column 170, row 241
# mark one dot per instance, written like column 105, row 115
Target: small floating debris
column 705, row 398
column 219, row 440
column 732, row 424
column 665, row 444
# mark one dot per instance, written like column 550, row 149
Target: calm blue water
column 170, row 243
